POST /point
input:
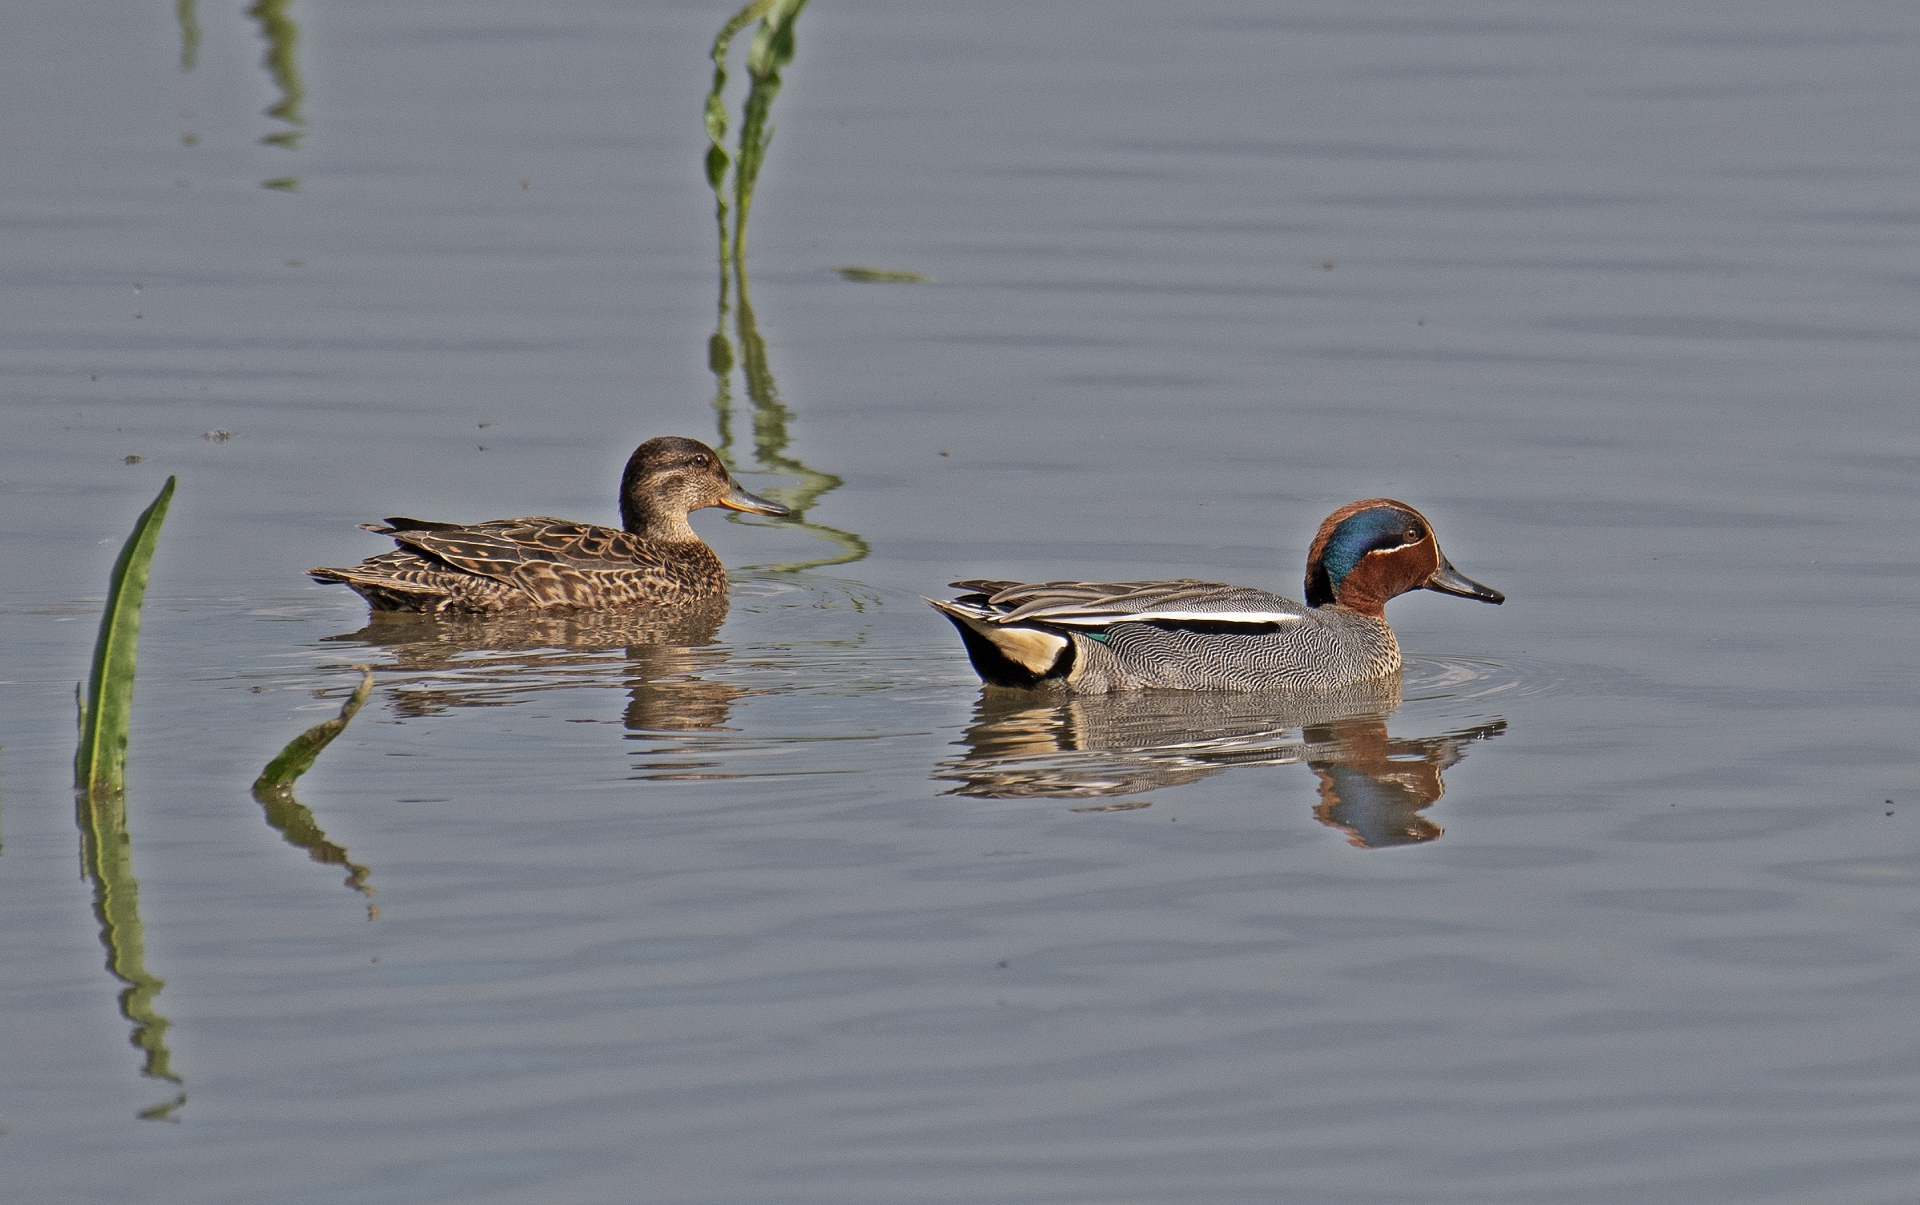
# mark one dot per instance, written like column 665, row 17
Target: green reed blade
column 100, row 764
column 772, row 49
column 717, row 159
column 276, row 781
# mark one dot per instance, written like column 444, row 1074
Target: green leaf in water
column 880, row 276
column 276, row 781
column 100, row 764
column 100, row 776
column 293, row 820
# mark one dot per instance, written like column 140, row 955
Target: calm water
column 777, row 906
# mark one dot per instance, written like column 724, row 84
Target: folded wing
column 1102, row 604
column 508, row 563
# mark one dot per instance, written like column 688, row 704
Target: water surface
column 1615, row 902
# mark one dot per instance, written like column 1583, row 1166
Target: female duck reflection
column 498, row 660
column 1372, row 786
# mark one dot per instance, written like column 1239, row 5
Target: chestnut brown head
column 1370, row 551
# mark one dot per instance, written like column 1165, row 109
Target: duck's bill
column 1448, row 580
column 753, row 504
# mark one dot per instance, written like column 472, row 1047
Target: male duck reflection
column 542, row 564
column 1373, row 787
column 1095, row 637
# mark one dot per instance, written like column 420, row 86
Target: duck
column 542, row 564
column 1098, row 637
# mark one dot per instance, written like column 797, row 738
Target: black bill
column 754, row 504
column 1448, row 580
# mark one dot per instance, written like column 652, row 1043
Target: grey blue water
column 1616, row 899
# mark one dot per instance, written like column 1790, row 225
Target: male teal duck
column 545, row 565
column 1095, row 637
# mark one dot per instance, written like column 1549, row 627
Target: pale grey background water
column 1626, row 297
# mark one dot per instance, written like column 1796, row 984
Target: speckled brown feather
column 536, row 563
column 547, row 564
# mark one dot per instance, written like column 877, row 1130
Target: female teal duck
column 542, row 564
column 1095, row 637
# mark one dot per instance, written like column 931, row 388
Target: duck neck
column 1362, row 602
column 655, row 525
column 1379, row 576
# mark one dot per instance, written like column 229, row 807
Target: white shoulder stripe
column 1104, row 618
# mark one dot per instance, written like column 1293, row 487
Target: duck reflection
column 495, row 661
column 1372, row 786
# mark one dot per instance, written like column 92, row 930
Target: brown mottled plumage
column 544, row 564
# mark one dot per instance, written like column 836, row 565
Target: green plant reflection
column 293, row 820
column 106, row 856
column 282, row 37
column 189, row 33
column 732, row 175
column 1372, row 787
